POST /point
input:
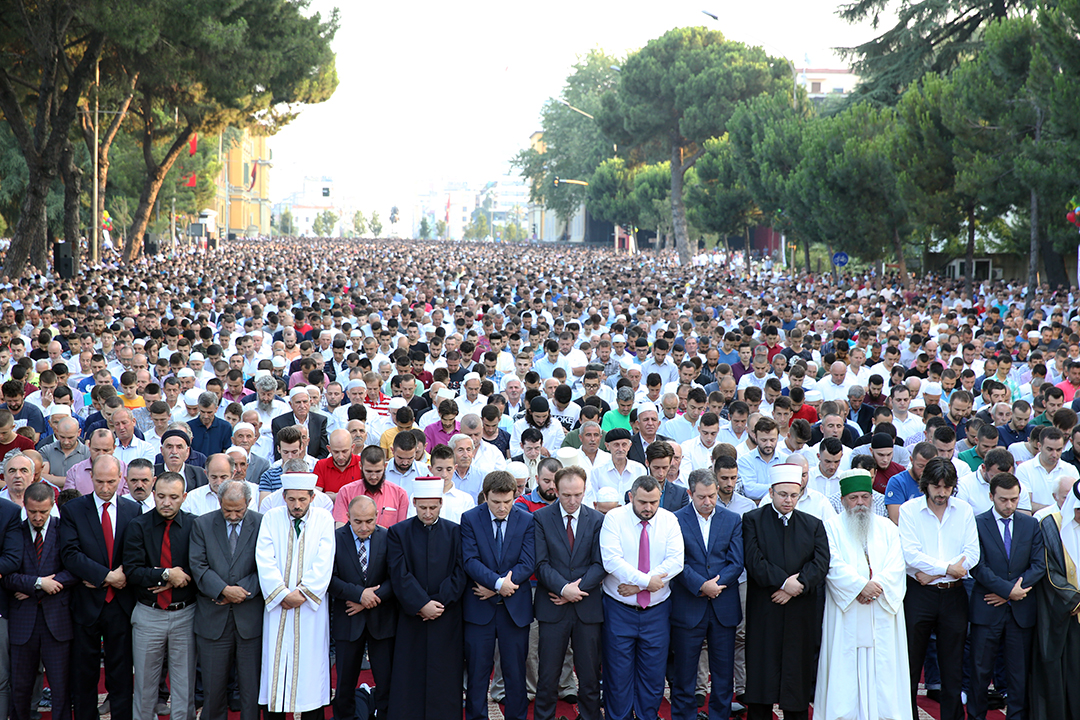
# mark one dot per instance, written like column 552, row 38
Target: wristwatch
column 165, row 576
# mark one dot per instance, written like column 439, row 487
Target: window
column 815, row 87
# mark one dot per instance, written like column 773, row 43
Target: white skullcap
column 198, row 356
column 297, row 391
column 785, row 474
column 813, row 396
column 625, row 362
column 470, row 376
column 185, row 372
column 357, row 333
column 396, row 402
column 619, row 338
column 518, row 469
column 567, row 455
column 236, row 448
column 427, row 489
column 645, row 407
column 607, row 495
column 242, row 426
column 191, row 397
column 261, row 373
column 298, row 481
column 445, row 394
column 931, row 388
column 277, row 361
column 59, row 409
column 353, row 384
column 917, row 403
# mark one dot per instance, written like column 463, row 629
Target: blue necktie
column 1008, row 538
column 499, row 537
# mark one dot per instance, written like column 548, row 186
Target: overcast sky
column 432, row 92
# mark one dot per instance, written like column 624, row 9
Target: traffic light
column 556, row 181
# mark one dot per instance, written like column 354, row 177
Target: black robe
column 782, row 641
column 425, row 564
column 1054, row 692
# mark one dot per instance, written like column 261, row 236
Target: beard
column 547, row 496
column 265, row 407
column 374, row 486
column 858, row 522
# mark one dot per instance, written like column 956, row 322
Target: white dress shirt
column 137, row 449
column 974, row 489
column 694, row 456
column 931, row 545
column 99, row 503
column 1040, row 482
column 607, row 476
column 619, row 539
column 203, row 500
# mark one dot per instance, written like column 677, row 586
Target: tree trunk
column 41, row 146
column 1033, row 248
column 155, row 176
column 835, row 272
column 898, row 248
column 1054, row 265
column 806, row 253
column 678, row 208
column 970, row 257
column 72, row 176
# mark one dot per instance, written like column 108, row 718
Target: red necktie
column 164, row 598
column 106, row 528
column 644, row 596
column 570, row 532
column 39, row 543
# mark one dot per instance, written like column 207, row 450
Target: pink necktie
column 644, row 596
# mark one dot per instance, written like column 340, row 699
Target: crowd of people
column 523, row 474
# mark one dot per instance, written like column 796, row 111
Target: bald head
column 341, row 448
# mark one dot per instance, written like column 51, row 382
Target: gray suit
column 227, row 634
column 194, row 476
column 256, row 467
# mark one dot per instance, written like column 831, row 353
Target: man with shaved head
column 341, row 468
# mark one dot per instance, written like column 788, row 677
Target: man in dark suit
column 658, row 458
column 1011, row 562
column 705, row 599
column 40, row 631
column 364, row 613
column 300, row 402
column 229, row 609
column 497, row 554
column 569, row 571
column 648, row 421
column 175, row 451
column 92, row 529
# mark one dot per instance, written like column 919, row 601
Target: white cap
column 242, row 426
column 353, row 384
column 185, row 372
column 191, row 397
column 645, row 407
column 813, row 396
column 470, row 376
column 197, row 356
column 59, row 409
column 278, row 361
column 297, row 391
column 395, row 403
column 567, row 455
column 518, row 469
column 427, row 489
column 261, row 373
column 236, row 448
column 625, row 362
column 608, row 494
column 618, row 339
column 931, row 388
column 785, row 474
column 916, row 404
column 298, row 481
column 445, row 394
column 355, row 333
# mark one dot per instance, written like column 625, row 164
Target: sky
column 435, row 92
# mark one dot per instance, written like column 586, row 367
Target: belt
column 946, row 585
column 169, row 608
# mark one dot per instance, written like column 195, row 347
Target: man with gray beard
column 861, row 668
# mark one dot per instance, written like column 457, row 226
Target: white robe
column 295, row 674
column 863, row 666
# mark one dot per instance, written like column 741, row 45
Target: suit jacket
column 348, row 583
column 557, row 565
column 318, row 441
column 11, row 540
column 193, row 476
column 56, row 609
column 997, row 573
column 722, row 555
column 82, row 550
column 674, row 498
column 484, row 567
column 256, row 467
column 864, row 418
column 637, row 452
column 213, row 567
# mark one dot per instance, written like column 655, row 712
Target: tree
column 572, row 145
column 928, row 36
column 375, row 223
column 324, row 223
column 651, row 197
column 286, row 226
column 359, row 223
column 440, row 229
column 610, row 193
column 214, row 65
column 425, row 228
column 682, row 88
column 719, row 201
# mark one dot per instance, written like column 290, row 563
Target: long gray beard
column 858, row 522
column 265, row 407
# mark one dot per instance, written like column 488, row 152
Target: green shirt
column 971, row 458
column 1041, row 419
column 615, row 419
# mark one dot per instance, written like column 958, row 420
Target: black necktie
column 499, row 537
column 234, row 534
column 363, row 558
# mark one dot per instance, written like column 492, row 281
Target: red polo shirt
column 331, row 479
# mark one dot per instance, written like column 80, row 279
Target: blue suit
column 1010, row 625
column 505, row 619
column 695, row 618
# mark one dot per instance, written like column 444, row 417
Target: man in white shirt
column 204, row 499
column 941, row 545
column 642, row 549
column 824, row 477
column 128, row 446
column 697, row 452
column 1040, row 476
column 618, row 472
column 836, row 387
column 974, row 488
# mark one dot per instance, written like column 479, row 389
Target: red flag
column 191, row 181
column 254, row 167
column 447, row 209
column 193, row 144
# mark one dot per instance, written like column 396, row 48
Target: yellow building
column 245, row 180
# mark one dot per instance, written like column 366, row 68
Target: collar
column 997, row 515
column 565, row 514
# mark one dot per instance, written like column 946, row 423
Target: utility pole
column 94, row 243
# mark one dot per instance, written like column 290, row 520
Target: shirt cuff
column 498, row 584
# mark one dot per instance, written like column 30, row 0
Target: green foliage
column 719, row 201
column 324, row 223
column 286, row 226
column 652, row 199
column 478, row 229
column 375, row 223
column 573, row 144
column 609, row 193
column 359, row 223
column 425, row 228
column 440, row 229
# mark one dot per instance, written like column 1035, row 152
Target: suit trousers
column 567, row 683
column 551, row 652
column 928, row 609
column 740, row 645
column 26, row 658
column 111, row 633
column 513, row 644
column 635, row 657
column 5, row 670
column 217, row 658
column 686, row 645
column 157, row 634
column 350, row 658
column 986, row 642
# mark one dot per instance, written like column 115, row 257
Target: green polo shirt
column 971, row 458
